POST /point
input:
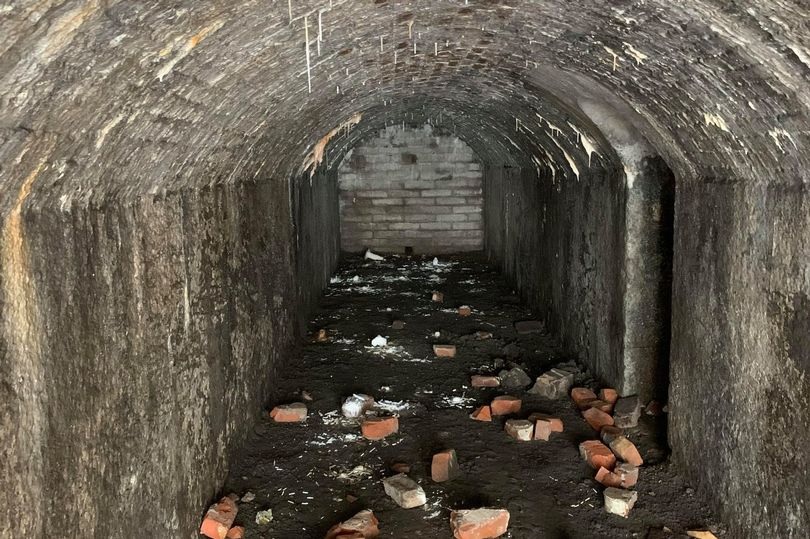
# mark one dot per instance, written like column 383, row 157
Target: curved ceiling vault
column 110, row 99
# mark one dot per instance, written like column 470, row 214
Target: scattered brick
column 444, row 350
column 626, row 450
column 597, row 454
column 377, row 428
column 478, row 380
column 464, row 310
column 542, row 429
column 553, row 384
column 582, row 397
column 608, row 478
column 505, row 405
column 626, row 412
column 481, row 523
column 555, row 422
column 438, row 297
column 444, row 466
column 219, row 519
column 628, row 473
column 701, row 534
column 619, row 502
column 482, row 413
column 597, row 419
column 519, row 429
column 609, row 433
column 363, row 523
column 397, row 324
column 404, row 491
column 600, row 405
column 237, row 532
column 524, row 327
column 609, row 395
column 321, row 336
column 289, row 413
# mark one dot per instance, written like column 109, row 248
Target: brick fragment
column 628, row 473
column 237, row 532
column 444, row 466
column 219, row 519
column 482, row 413
column 627, row 411
column 608, row 478
column 514, row 378
column 620, row 502
column 321, row 336
column 542, row 430
column 524, row 327
column 404, row 491
column 599, row 404
column 609, row 433
column 505, row 405
column 444, row 350
column 519, row 429
column 464, row 310
column 553, row 384
column 289, row 413
column 597, row 454
column 555, row 423
column 483, row 523
column 609, row 395
column 597, row 419
column 626, row 450
column 478, row 380
column 377, row 428
column 363, row 525
column 582, row 396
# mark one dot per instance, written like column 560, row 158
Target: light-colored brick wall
column 411, row 187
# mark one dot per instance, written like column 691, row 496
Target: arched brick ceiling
column 112, row 99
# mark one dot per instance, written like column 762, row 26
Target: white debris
column 372, row 256
column 357, row 405
column 392, row 406
column 263, row 518
column 379, row 341
column 356, row 279
column 355, row 475
column 248, row 497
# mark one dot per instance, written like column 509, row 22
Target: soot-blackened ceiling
column 109, row 99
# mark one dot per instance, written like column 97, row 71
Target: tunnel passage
column 170, row 212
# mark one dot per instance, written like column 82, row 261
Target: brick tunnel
column 187, row 184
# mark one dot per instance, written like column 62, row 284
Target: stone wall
column 409, row 187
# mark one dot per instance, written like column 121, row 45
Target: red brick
column 444, row 466
column 610, row 433
column 597, row 418
column 444, row 350
column 597, row 454
column 289, row 413
column 219, row 519
column 482, row 413
column 556, row 422
column 608, row 478
column 505, row 405
column 600, row 405
column 542, row 429
column 626, row 450
column 363, row 525
column 479, row 523
column 237, row 532
column 464, row 310
column 377, row 428
column 609, row 395
column 582, row 396
column 484, row 381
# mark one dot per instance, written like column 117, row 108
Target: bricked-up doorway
column 411, row 188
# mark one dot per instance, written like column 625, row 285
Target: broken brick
column 483, row 523
column 582, row 396
column 528, row 326
column 444, row 466
column 553, row 384
column 505, row 405
column 628, row 473
column 619, row 502
column 321, row 336
column 514, row 378
column 237, row 532
column 626, row 450
column 444, row 350
column 289, row 413
column 597, row 419
column 608, row 478
column 542, row 429
column 404, row 491
column 609, row 395
column 219, row 519
column 478, row 380
column 610, row 433
column 482, row 413
column 363, row 525
column 377, row 428
column 464, row 310
column 438, row 297
column 555, row 422
column 519, row 429
column 599, row 404
column 626, row 412
column 597, row 454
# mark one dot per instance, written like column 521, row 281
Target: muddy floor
column 315, row 474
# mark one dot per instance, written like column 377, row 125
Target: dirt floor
column 310, row 474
